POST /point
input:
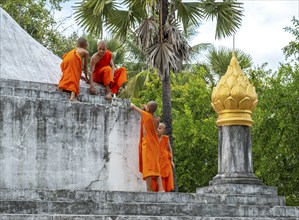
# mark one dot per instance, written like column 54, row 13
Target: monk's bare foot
column 74, row 100
column 108, row 96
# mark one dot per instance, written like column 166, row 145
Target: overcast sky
column 261, row 35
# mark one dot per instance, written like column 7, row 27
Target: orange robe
column 71, row 67
column 165, row 166
column 103, row 73
column 149, row 150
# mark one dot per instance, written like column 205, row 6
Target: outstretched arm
column 135, row 108
column 92, row 67
column 86, row 55
column 112, row 66
column 170, row 150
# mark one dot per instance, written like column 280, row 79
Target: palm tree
column 158, row 33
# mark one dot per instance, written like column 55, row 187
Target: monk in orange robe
column 149, row 150
column 103, row 71
column 166, row 162
column 71, row 67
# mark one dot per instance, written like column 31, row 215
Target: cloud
column 261, row 34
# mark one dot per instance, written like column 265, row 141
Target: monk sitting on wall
column 71, row 68
column 103, row 71
column 166, row 161
column 149, row 152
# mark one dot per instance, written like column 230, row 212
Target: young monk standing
column 71, row 68
column 166, row 162
column 103, row 71
column 149, row 150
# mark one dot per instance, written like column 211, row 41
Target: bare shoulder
column 95, row 58
column 157, row 121
column 82, row 52
column 156, row 118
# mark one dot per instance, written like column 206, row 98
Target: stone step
column 56, row 95
column 49, row 91
column 238, row 189
column 42, row 86
column 147, row 209
column 120, row 217
column 127, row 197
column 93, row 101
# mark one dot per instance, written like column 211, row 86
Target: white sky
column 261, row 34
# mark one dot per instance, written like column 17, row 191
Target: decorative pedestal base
column 235, row 178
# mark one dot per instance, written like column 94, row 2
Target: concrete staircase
column 78, row 204
column 243, row 203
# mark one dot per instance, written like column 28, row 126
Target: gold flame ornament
column 234, row 98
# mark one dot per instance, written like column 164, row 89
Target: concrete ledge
column 120, row 217
column 238, row 189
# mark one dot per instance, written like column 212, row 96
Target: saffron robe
column 149, row 150
column 71, row 67
column 165, row 166
column 103, row 73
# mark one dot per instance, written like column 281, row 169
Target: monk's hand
column 92, row 91
column 144, row 107
column 132, row 106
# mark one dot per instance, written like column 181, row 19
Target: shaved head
column 162, row 125
column 81, row 42
column 102, row 42
column 152, row 106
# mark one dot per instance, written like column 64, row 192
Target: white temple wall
column 63, row 145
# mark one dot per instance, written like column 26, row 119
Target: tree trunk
column 167, row 117
column 165, row 5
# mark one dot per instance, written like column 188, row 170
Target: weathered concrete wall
column 64, row 145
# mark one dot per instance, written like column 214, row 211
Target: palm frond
column 189, row 13
column 136, row 84
column 197, row 51
column 228, row 15
column 138, row 7
column 134, row 53
column 147, row 32
column 179, row 42
column 162, row 56
column 92, row 15
column 219, row 59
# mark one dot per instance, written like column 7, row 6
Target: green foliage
column 30, row 15
column 276, row 132
column 60, row 44
column 194, row 131
column 151, row 90
column 228, row 15
column 292, row 49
